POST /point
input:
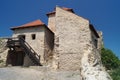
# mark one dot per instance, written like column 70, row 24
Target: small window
column 33, row 36
column 21, row 36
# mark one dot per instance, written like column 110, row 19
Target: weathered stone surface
column 27, row 61
column 48, row 46
column 100, row 40
column 3, row 45
column 3, row 57
column 91, row 66
column 72, row 33
column 37, row 73
column 77, row 47
column 3, row 52
column 51, row 22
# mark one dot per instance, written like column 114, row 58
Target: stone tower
column 72, row 35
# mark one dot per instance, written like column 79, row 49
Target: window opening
column 22, row 36
column 33, row 36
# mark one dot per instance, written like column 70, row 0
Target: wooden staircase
column 12, row 43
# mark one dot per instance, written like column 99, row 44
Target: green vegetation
column 115, row 74
column 111, row 62
column 109, row 59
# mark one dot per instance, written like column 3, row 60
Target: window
column 33, row 36
column 21, row 36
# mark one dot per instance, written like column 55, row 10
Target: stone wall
column 91, row 65
column 27, row 61
column 3, row 52
column 100, row 40
column 51, row 22
column 94, row 40
column 49, row 45
column 71, row 35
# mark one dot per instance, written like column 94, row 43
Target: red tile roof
column 30, row 24
column 67, row 9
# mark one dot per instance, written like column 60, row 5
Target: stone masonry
column 77, row 46
column 71, row 36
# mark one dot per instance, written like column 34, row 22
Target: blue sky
column 103, row 14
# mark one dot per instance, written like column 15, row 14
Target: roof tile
column 30, row 24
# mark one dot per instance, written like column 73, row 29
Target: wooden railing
column 12, row 42
column 29, row 50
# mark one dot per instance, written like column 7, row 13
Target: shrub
column 109, row 59
column 115, row 74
